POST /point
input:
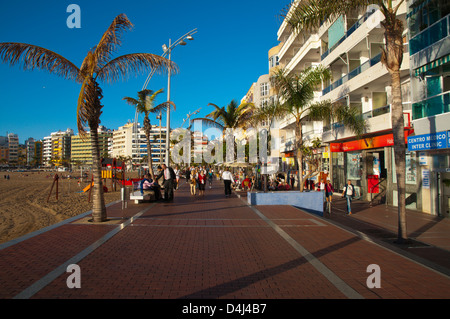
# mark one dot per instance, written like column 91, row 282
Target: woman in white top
column 227, row 180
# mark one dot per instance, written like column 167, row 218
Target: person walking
column 169, row 180
column 227, row 180
column 177, row 175
column 349, row 193
column 328, row 194
column 210, row 177
column 201, row 182
column 193, row 182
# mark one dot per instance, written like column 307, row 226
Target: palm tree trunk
column 99, row 208
column 392, row 58
column 400, row 153
column 298, row 144
column 149, row 157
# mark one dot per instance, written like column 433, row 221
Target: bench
column 138, row 197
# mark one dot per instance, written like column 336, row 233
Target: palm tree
column 145, row 104
column 233, row 115
column 98, row 65
column 295, row 94
column 310, row 14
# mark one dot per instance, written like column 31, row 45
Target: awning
column 432, row 65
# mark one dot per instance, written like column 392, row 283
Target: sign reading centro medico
column 433, row 141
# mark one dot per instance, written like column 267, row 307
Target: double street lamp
column 168, row 50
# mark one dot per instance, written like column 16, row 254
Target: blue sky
column 229, row 53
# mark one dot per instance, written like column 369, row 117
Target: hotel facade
column 130, row 142
column 350, row 47
column 429, row 46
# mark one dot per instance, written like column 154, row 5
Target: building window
column 273, row 61
column 264, row 89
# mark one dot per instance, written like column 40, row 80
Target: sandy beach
column 23, row 201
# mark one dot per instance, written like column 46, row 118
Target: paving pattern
column 214, row 247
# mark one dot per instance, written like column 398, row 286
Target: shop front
column 368, row 164
column 433, row 168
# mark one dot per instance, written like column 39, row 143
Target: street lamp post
column 168, row 50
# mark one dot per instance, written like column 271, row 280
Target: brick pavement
column 210, row 248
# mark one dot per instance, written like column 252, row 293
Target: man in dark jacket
column 169, row 179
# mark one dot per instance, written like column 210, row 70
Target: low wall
column 308, row 201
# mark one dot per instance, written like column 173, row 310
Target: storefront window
column 410, row 169
column 338, row 170
column 354, row 168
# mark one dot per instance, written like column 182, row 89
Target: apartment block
column 13, row 144
column 129, row 141
column 429, row 48
column 350, row 46
column 81, row 149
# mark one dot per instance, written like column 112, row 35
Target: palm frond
column 217, row 114
column 163, row 106
column 111, row 39
column 308, row 15
column 135, row 63
column 34, row 57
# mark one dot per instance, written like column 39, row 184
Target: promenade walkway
column 214, row 247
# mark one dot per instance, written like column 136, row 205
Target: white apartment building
column 129, row 141
column 56, row 148
column 350, row 47
column 47, row 150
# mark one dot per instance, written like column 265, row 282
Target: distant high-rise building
column 56, row 148
column 31, row 150
column 81, row 149
column 129, row 141
column 13, row 142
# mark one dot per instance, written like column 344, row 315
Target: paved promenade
column 214, row 247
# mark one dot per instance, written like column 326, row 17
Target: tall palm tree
column 97, row 66
column 295, row 94
column 145, row 104
column 232, row 116
column 308, row 15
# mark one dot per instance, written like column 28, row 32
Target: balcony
column 363, row 67
column 378, row 120
column 348, row 33
column 430, row 35
column 435, row 105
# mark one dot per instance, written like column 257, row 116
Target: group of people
column 348, row 193
column 170, row 181
column 198, row 178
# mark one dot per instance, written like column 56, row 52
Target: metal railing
column 360, row 69
column 431, row 106
column 434, row 33
column 348, row 33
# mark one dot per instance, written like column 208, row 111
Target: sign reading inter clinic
column 433, row 141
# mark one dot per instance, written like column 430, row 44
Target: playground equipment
column 55, row 181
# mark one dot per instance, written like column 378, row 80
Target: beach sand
column 24, row 207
